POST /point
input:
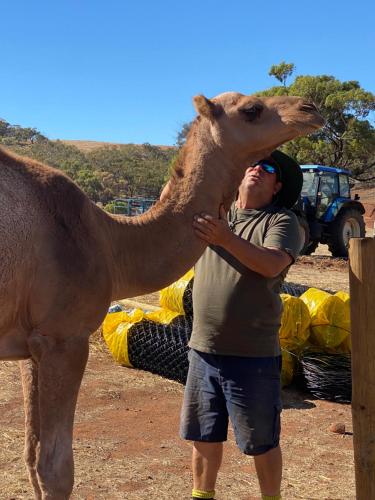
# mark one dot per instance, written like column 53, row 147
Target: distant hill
column 87, row 146
column 105, row 171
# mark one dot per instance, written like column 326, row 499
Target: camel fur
column 63, row 259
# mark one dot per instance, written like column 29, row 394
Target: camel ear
column 205, row 107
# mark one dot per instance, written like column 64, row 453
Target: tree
column 183, row 133
column 282, row 71
column 90, row 183
column 348, row 138
column 105, row 173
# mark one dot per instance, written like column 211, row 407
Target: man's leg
column 204, row 420
column 206, row 463
column 269, row 470
column 253, row 401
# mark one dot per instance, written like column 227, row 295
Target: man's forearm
column 268, row 262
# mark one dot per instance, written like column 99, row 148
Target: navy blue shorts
column 246, row 390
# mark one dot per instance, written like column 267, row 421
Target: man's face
column 259, row 182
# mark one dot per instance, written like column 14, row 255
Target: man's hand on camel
column 213, row 230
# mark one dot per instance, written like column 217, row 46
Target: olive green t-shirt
column 236, row 310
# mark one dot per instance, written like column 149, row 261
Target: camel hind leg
column 61, row 364
column 29, row 377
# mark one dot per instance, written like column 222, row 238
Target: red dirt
column 126, row 442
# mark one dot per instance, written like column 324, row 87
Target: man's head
column 276, row 179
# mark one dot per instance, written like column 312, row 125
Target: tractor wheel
column 348, row 224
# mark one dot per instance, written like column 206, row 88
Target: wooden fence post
column 362, row 306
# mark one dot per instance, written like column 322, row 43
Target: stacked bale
column 315, row 325
column 294, row 332
column 330, row 318
column 155, row 341
column 328, row 375
column 325, row 360
column 179, row 295
column 161, row 349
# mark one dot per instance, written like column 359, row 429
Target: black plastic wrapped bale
column 296, row 290
column 293, row 289
column 161, row 349
column 328, row 376
column 187, row 299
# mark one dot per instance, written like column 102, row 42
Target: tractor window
column 328, row 191
column 310, row 186
column 344, row 186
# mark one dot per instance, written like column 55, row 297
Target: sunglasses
column 270, row 169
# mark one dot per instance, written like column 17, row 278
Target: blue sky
column 125, row 71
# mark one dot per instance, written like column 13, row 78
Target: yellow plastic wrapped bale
column 295, row 322
column 115, row 333
column 116, row 329
column 288, row 365
column 344, row 296
column 163, row 316
column 346, row 346
column 177, row 296
column 330, row 321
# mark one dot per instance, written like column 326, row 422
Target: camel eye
column 251, row 113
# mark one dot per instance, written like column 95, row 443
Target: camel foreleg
column 29, row 376
column 61, row 365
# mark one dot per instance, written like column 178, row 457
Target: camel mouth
column 316, row 119
column 315, row 122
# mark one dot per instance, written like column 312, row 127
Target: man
column 235, row 360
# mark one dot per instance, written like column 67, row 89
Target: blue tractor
column 327, row 212
column 132, row 206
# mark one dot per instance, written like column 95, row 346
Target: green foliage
column 117, row 207
column 282, row 71
column 131, row 170
column 348, row 138
column 11, row 134
column 103, row 174
column 183, row 133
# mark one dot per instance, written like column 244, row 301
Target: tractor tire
column 348, row 224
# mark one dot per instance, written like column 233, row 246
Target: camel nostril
column 308, row 107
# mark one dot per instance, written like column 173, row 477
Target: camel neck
column 150, row 251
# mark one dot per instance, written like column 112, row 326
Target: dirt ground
column 126, row 441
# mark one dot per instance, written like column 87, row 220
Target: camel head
column 252, row 127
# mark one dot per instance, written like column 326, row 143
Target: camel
column 63, row 259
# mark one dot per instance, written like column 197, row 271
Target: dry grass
column 126, row 442
column 87, row 146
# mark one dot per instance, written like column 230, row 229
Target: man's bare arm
column 269, row 262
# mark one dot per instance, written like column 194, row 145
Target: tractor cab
column 332, row 216
column 325, row 189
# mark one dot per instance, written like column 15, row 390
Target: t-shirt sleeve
column 285, row 232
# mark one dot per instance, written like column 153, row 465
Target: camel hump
column 40, row 194
column 41, row 185
column 41, row 216
column 48, row 242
